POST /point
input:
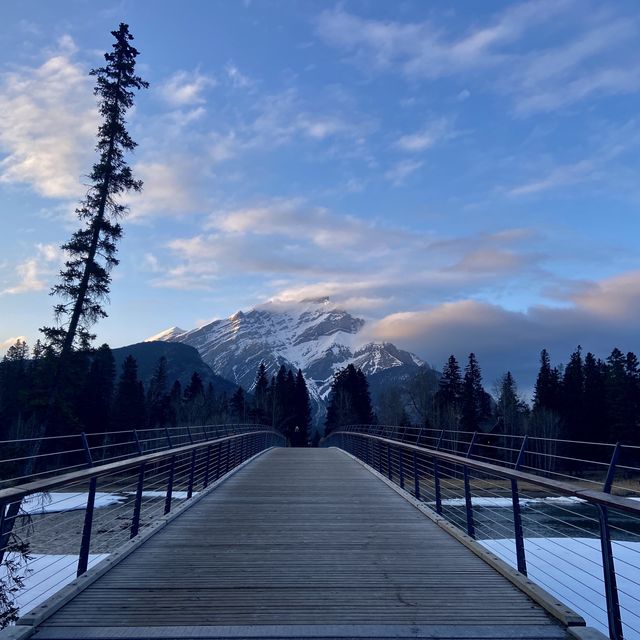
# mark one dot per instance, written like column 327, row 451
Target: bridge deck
column 297, row 539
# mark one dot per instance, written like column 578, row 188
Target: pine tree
column 260, row 394
column 302, row 412
column 510, row 409
column 159, row 412
column 129, row 401
column 547, row 388
column 238, row 406
column 573, row 397
column 450, row 387
column 349, row 400
column 475, row 402
column 595, row 401
column 92, row 249
column 96, row 400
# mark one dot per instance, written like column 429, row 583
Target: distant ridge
column 182, row 362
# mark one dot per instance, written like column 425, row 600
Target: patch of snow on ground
column 178, row 495
column 484, row 501
column 46, row 574
column 65, row 501
column 571, row 570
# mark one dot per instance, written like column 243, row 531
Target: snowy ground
column 46, row 574
column 66, row 501
column 483, row 501
column 571, row 569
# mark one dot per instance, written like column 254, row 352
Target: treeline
column 349, row 400
column 587, row 399
column 283, row 402
column 95, row 398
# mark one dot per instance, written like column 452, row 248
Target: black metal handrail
column 18, row 492
column 376, row 451
column 218, row 456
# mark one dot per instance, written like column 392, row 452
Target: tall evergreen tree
column 547, row 388
column 595, row 401
column 129, row 401
column 159, row 412
column 302, row 412
column 238, row 406
column 349, row 400
column 572, row 409
column 475, row 402
column 96, row 400
column 511, row 411
column 261, row 395
column 92, row 249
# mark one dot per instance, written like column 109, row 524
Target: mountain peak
column 312, row 334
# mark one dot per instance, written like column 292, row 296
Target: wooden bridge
column 301, row 543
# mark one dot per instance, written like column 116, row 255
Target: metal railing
column 90, row 493
column 555, row 516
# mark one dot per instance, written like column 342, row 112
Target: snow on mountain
column 313, row 335
column 166, row 335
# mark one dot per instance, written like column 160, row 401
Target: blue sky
column 463, row 175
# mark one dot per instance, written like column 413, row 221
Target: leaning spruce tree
column 84, row 282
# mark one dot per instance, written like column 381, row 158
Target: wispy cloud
column 31, row 274
column 186, row 88
column 590, row 53
column 48, row 125
column 400, row 171
column 428, row 136
column 320, row 252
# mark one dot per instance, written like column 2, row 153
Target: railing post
column 401, row 467
column 207, row 466
column 192, row 472
column 471, row 529
column 389, row 471
column 172, row 470
column 85, row 544
column 436, row 477
column 517, row 515
column 137, row 506
column 416, row 477
column 218, row 459
column 608, row 566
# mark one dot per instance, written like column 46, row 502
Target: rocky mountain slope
column 313, row 335
column 182, row 362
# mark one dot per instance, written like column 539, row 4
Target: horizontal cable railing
column 569, row 523
column 60, row 518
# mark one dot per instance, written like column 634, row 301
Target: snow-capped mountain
column 313, row 335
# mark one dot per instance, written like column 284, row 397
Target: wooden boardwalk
column 301, row 543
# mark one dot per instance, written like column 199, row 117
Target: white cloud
column 399, row 172
column 602, row 318
column 9, row 342
column 585, row 53
column 236, row 77
column 48, row 125
column 185, row 88
column 427, row 137
column 32, row 273
column 320, row 252
column 168, row 189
